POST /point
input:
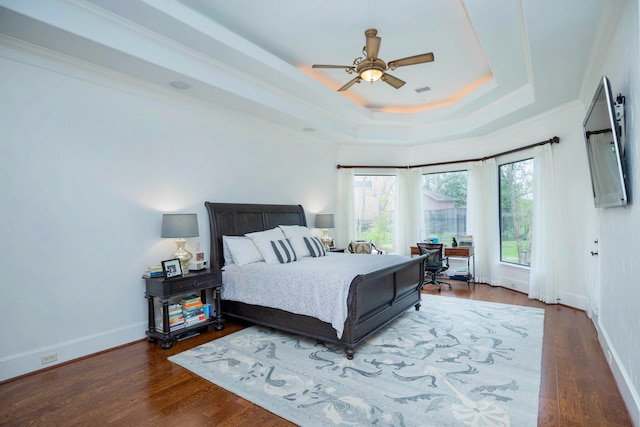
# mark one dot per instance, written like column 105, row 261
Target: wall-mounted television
column 602, row 132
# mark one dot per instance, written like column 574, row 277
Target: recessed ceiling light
column 423, row 89
column 308, row 129
column 180, row 85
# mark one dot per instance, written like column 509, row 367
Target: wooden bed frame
column 374, row 299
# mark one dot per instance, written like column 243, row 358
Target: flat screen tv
column 602, row 134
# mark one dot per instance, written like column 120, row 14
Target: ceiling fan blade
column 350, row 83
column 411, row 60
column 346, row 67
column 393, row 81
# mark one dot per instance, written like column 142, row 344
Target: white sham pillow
column 228, row 258
column 243, row 250
column 296, row 234
column 263, row 239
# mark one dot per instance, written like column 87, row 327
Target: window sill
column 515, row 266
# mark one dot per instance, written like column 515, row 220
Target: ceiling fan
column 371, row 68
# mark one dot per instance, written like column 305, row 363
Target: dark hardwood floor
column 135, row 384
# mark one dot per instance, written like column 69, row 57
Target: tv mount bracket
column 618, row 107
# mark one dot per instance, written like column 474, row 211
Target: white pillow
column 263, row 239
column 297, row 233
column 284, row 251
column 243, row 251
column 228, row 258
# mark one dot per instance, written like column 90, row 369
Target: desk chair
column 435, row 263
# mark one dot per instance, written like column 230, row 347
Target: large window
column 374, row 207
column 516, row 211
column 444, row 200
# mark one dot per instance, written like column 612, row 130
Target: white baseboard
column 573, row 300
column 23, row 363
column 629, row 394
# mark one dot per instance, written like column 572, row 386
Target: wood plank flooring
column 135, row 385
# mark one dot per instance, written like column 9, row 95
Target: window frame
column 393, row 226
column 440, row 171
column 500, row 221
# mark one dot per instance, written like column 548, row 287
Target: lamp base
column 183, row 255
column 325, row 239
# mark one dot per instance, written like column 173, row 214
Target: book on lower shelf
column 176, row 317
column 195, row 319
column 184, row 312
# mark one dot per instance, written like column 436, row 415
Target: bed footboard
column 377, row 298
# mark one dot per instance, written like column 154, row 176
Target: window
column 374, row 206
column 516, row 211
column 444, row 201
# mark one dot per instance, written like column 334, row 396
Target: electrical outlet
column 49, row 358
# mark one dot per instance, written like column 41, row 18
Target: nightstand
column 165, row 289
column 341, row 250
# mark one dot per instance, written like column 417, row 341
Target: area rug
column 453, row 363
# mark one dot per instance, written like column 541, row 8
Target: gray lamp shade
column 324, row 220
column 179, row 225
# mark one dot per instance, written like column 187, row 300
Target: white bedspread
column 316, row 287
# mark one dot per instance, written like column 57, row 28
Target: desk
column 457, row 252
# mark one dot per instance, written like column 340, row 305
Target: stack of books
column 466, row 240
column 193, row 310
column 154, row 271
column 176, row 318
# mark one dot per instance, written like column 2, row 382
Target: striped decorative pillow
column 315, row 246
column 284, row 251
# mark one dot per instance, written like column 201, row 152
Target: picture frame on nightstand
column 171, row 268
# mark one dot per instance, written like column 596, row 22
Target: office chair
column 435, row 263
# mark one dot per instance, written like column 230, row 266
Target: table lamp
column 180, row 227
column 325, row 221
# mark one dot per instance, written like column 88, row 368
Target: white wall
column 618, row 230
column 88, row 164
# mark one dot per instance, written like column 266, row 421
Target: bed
column 372, row 300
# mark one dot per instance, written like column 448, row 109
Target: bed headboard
column 236, row 219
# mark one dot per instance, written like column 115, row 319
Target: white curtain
column 345, row 206
column 408, row 221
column 543, row 279
column 483, row 220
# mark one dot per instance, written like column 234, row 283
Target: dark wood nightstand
column 341, row 250
column 164, row 290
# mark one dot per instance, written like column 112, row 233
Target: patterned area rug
column 453, row 363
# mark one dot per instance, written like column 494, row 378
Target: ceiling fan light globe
column 371, row 74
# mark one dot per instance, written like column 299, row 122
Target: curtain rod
column 555, row 139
